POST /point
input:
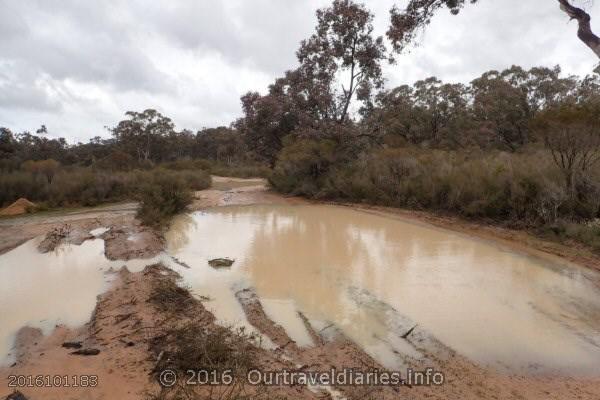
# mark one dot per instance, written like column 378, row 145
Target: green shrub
column 302, row 167
column 116, row 160
column 163, row 196
column 193, row 179
column 241, row 171
column 88, row 186
column 519, row 189
column 188, row 164
column 586, row 233
column 68, row 188
column 246, row 170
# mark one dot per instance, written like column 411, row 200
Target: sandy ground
column 126, row 326
column 235, row 191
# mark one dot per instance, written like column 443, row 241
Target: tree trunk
column 147, row 152
column 351, row 88
column 585, row 28
column 570, row 182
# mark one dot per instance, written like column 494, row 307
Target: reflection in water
column 492, row 305
column 42, row 290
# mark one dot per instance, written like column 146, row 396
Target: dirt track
column 125, row 323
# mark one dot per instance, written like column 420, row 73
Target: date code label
column 49, row 381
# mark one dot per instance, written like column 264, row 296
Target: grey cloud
column 260, row 33
column 70, row 41
column 202, row 24
column 21, row 91
column 79, row 65
column 11, row 23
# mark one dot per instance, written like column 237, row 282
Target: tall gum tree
column 142, row 133
column 339, row 63
column 343, row 54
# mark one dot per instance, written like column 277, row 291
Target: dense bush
column 89, row 187
column 238, row 170
column 248, row 170
column 68, row 188
column 586, row 233
column 303, row 167
column 188, row 164
column 520, row 189
column 163, row 196
column 194, row 180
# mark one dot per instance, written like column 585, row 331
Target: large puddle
column 60, row 287
column 344, row 268
column 493, row 305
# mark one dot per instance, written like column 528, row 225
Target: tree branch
column 585, row 28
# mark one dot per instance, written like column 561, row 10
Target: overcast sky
column 77, row 66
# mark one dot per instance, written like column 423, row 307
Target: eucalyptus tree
column 143, row 134
column 342, row 59
column 572, row 135
column 338, row 64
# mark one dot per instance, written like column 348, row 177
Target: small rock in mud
column 86, row 352
column 221, row 263
column 16, row 396
column 72, row 345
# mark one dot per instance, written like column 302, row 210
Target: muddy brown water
column 499, row 308
column 61, row 287
column 341, row 268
